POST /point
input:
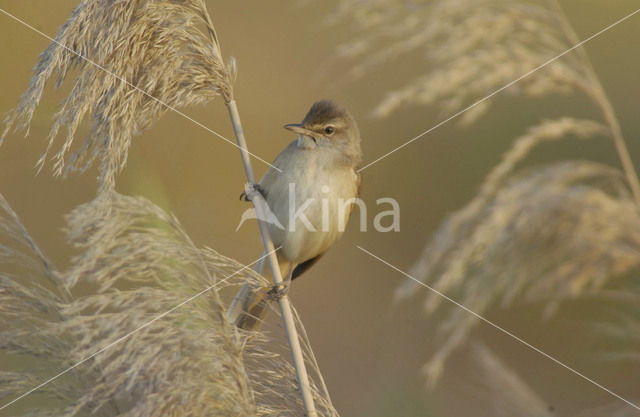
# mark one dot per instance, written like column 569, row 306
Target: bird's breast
column 312, row 199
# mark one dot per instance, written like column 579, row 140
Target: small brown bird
column 311, row 198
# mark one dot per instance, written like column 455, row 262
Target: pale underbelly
column 315, row 221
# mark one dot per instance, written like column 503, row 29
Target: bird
column 311, row 188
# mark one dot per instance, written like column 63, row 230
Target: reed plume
column 472, row 49
column 128, row 63
column 190, row 361
column 550, row 235
column 546, row 235
column 479, row 45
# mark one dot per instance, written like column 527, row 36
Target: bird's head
column 328, row 124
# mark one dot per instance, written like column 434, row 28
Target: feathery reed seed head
column 131, row 61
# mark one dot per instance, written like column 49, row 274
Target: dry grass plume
column 129, row 62
column 549, row 235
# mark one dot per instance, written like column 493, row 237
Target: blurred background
column 371, row 350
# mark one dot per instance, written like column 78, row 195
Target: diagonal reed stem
column 609, row 115
column 284, row 303
column 596, row 92
column 260, row 206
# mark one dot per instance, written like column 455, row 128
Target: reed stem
column 285, row 305
column 596, row 92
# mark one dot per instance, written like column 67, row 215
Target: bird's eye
column 329, row 130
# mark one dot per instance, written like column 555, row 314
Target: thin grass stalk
column 260, row 207
column 311, row 355
column 146, row 31
column 618, row 140
column 596, row 91
column 285, row 305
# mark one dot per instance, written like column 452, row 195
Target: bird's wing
column 302, row 267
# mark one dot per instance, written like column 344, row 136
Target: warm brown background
column 370, row 353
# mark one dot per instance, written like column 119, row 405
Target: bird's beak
column 297, row 128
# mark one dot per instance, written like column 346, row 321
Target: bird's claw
column 278, row 291
column 251, row 189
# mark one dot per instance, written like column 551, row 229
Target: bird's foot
column 250, row 190
column 278, row 291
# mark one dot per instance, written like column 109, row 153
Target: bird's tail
column 250, row 305
column 248, row 308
